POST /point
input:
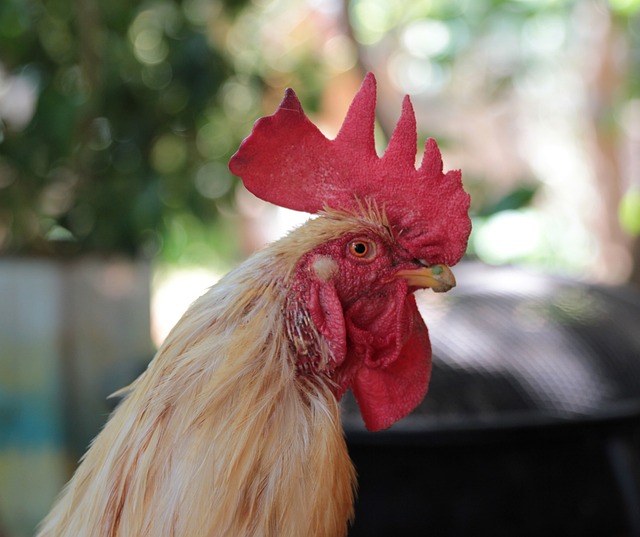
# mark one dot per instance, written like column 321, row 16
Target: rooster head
column 386, row 229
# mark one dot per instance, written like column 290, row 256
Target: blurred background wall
column 117, row 120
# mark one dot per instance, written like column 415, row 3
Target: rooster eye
column 362, row 249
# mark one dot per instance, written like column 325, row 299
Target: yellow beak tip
column 438, row 278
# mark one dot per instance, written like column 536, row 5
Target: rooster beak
column 439, row 278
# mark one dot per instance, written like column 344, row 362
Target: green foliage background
column 139, row 105
column 130, row 135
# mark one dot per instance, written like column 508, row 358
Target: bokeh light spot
column 169, row 154
column 213, row 180
column 426, row 38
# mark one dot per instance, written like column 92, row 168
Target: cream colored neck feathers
column 220, row 436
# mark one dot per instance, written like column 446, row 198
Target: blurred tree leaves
column 629, row 213
column 108, row 153
column 117, row 118
column 516, row 199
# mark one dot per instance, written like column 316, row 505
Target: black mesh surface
column 535, row 393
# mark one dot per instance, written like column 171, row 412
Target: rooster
column 234, row 429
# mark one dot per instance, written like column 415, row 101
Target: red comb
column 287, row 161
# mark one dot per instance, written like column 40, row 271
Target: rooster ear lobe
column 327, row 316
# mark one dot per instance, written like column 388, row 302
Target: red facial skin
column 368, row 316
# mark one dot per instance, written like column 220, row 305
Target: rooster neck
column 220, row 436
